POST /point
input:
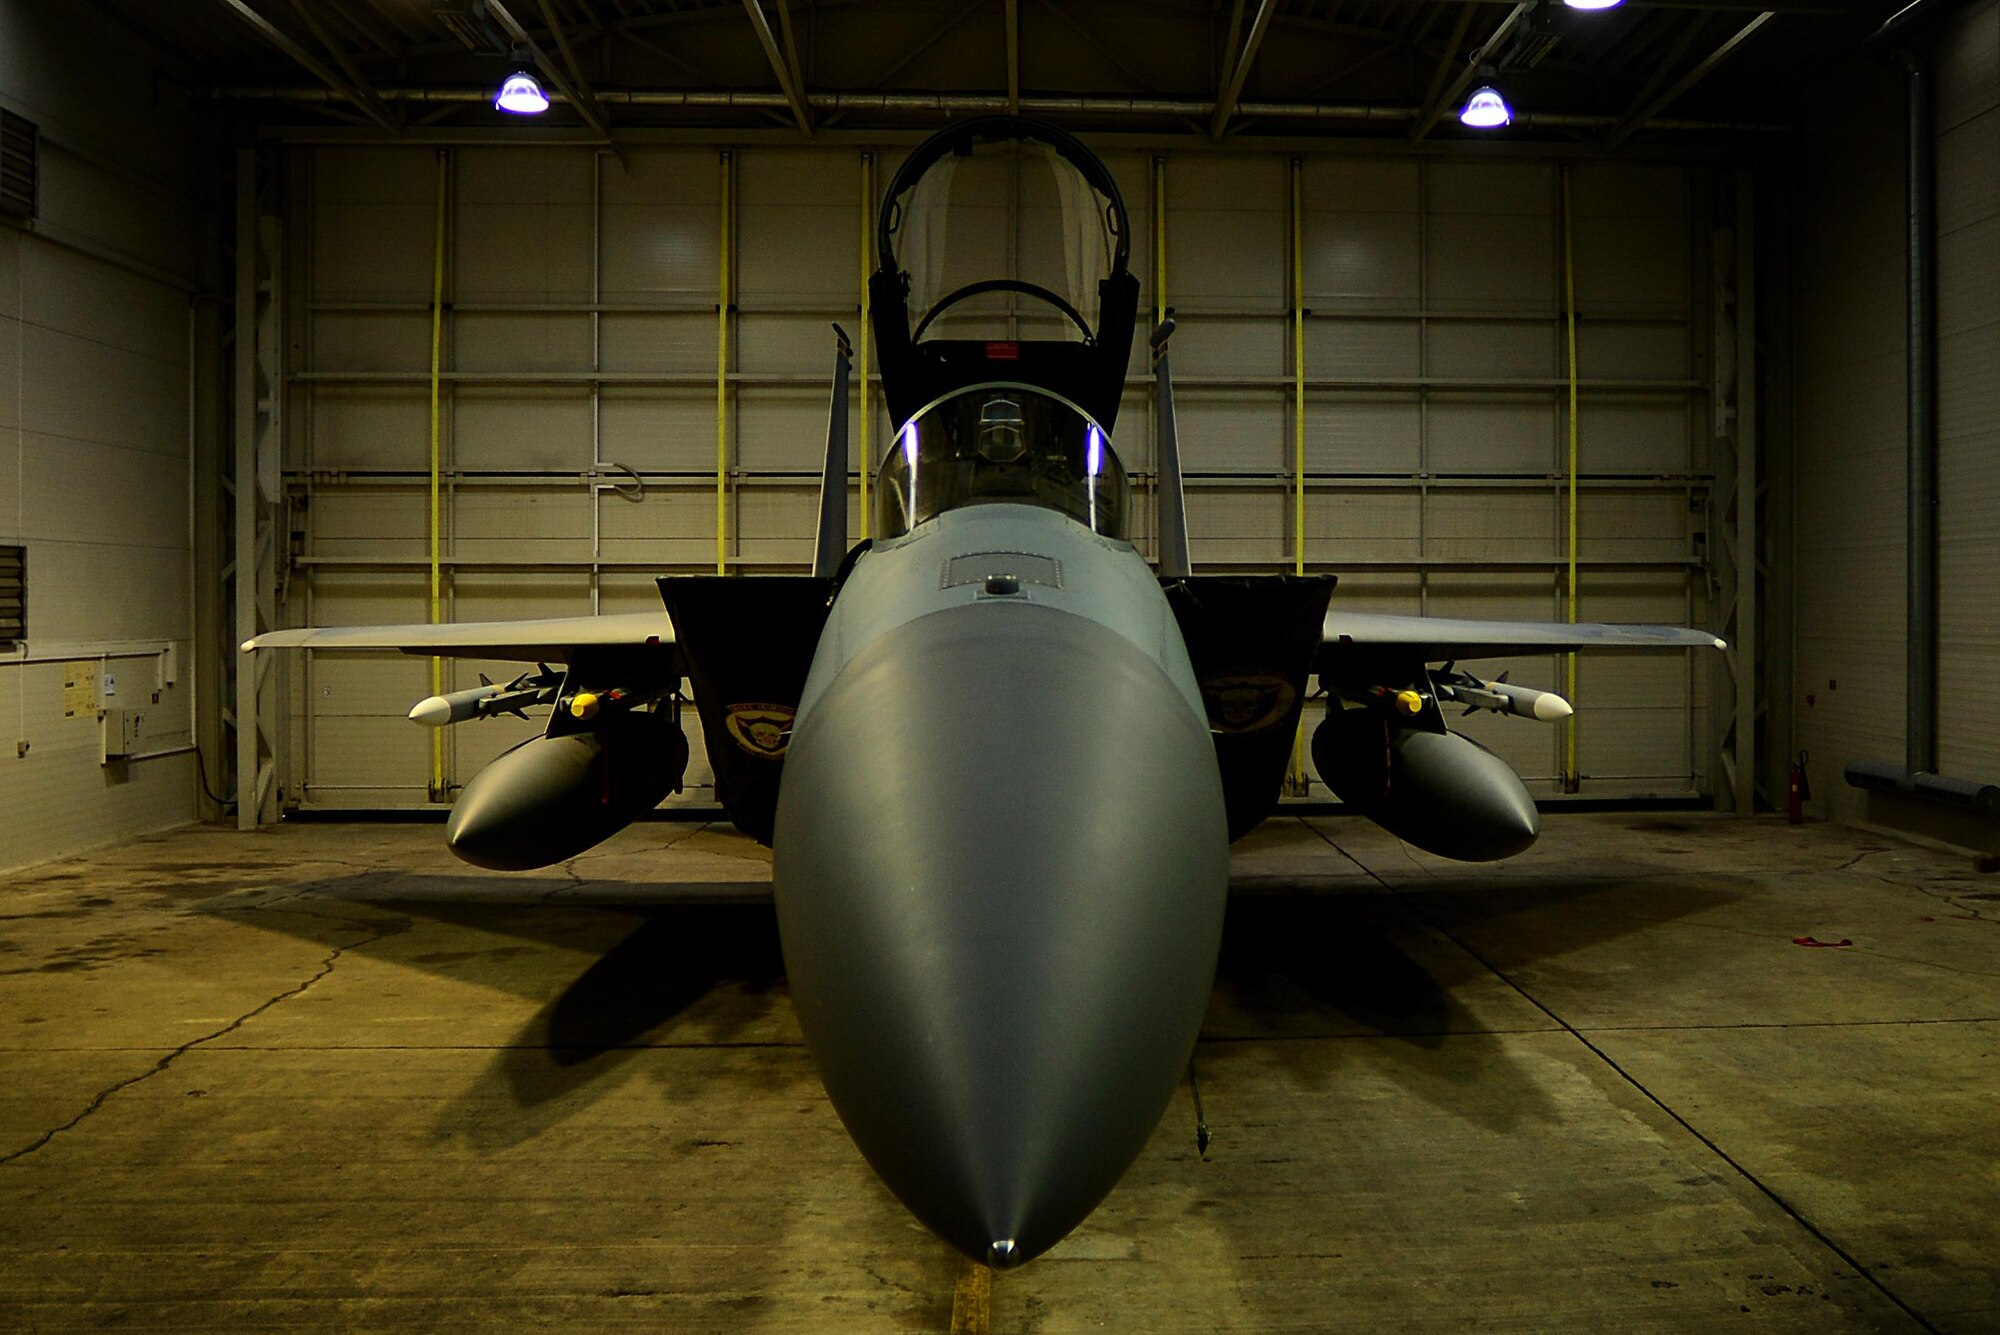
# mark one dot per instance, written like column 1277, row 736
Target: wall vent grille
column 18, row 142
column 13, row 597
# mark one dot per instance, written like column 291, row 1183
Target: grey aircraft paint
column 1000, row 1007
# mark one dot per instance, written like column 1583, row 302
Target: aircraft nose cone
column 1000, row 864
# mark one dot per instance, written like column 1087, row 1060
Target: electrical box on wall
column 156, row 724
column 124, row 733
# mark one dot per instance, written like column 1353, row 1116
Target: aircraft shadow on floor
column 1387, row 979
column 1310, row 964
column 677, row 955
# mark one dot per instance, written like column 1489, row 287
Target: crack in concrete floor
column 102, row 1096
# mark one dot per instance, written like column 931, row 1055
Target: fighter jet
column 998, row 757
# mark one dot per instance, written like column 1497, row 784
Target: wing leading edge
column 554, row 638
column 1437, row 639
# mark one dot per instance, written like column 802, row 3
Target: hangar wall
column 1850, row 431
column 1851, row 443
column 94, row 442
column 578, row 438
column 1968, row 170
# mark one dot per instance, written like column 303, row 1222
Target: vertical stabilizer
column 830, row 544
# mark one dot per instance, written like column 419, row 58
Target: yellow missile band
column 583, row 705
column 1410, row 702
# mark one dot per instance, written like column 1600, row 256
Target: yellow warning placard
column 80, row 690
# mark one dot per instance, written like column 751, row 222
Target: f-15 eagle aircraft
column 999, row 759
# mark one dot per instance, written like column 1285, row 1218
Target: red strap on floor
column 1824, row 945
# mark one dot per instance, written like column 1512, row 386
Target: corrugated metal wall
column 1968, row 168
column 94, row 466
column 1851, row 442
column 1850, row 431
column 581, row 342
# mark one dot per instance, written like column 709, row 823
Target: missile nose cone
column 1000, row 864
column 1552, row 708
column 432, row 711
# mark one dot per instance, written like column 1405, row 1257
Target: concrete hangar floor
column 326, row 1076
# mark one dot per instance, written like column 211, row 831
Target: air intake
column 17, row 167
column 13, row 597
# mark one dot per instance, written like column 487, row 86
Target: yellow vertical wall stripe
column 1571, row 779
column 1298, row 369
column 437, row 367
column 1159, row 241
column 722, row 381
column 1299, row 424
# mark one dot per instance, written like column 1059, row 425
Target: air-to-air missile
column 487, row 700
column 999, row 757
column 1500, row 695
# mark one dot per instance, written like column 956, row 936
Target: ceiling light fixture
column 521, row 92
column 1593, row 4
column 1486, row 109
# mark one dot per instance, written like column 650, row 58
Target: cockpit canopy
column 1003, row 443
column 1005, row 253
column 1005, row 239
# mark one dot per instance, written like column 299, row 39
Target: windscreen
column 999, row 444
column 1014, row 210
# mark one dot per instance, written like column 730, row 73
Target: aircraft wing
column 1442, row 638
column 555, row 639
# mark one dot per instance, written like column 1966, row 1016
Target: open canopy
column 1005, row 252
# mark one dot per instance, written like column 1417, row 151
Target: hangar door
column 588, row 390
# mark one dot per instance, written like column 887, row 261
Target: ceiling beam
column 1239, row 68
column 1637, row 120
column 791, row 46
column 1434, row 109
column 1103, row 48
column 582, row 99
column 570, row 61
column 1447, row 58
column 931, row 39
column 362, row 97
column 765, row 38
column 305, row 12
column 653, row 48
column 366, row 25
column 1230, row 44
column 1668, row 63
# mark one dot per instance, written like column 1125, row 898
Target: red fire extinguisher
column 1800, row 792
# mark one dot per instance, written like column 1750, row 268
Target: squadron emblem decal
column 762, row 730
column 1246, row 701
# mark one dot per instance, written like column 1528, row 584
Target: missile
column 1444, row 793
column 1502, row 697
column 440, row 711
column 489, row 698
column 551, row 798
